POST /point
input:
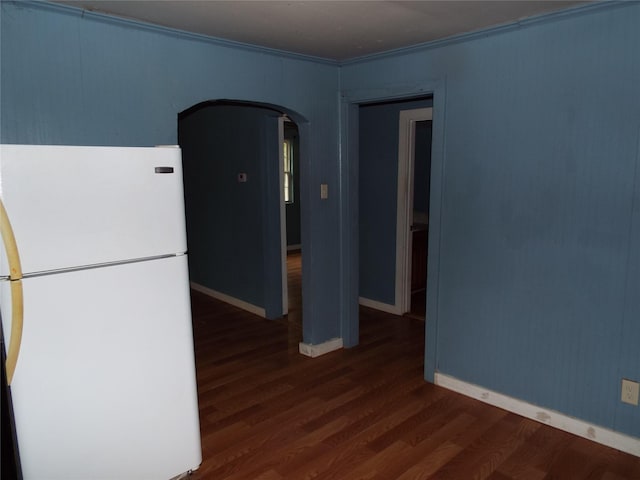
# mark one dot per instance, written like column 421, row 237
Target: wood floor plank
column 405, row 428
column 428, row 465
column 379, row 465
column 533, row 458
column 486, row 453
column 290, row 455
column 573, row 464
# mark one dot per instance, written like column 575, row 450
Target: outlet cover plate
column 630, row 391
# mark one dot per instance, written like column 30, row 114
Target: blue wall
column 378, row 197
column 538, row 291
column 70, row 77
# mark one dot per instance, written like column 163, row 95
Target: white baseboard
column 230, row 300
column 311, row 350
column 555, row 419
column 293, row 247
column 383, row 307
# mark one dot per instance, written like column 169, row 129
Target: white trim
column 555, row 419
column 311, row 350
column 384, row 307
column 236, row 302
column 404, row 215
column 283, row 219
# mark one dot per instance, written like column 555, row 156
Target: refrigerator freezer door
column 104, row 386
column 76, row 206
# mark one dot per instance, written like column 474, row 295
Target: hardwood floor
column 269, row 413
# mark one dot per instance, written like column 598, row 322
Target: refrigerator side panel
column 71, row 206
column 105, row 386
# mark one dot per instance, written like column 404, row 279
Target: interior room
column 530, row 328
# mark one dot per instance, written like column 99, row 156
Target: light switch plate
column 324, row 191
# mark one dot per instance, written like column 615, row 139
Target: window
column 287, row 155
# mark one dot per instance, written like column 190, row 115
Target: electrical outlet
column 630, row 391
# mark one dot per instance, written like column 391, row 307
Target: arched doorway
column 235, row 201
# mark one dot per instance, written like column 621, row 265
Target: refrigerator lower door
column 104, row 386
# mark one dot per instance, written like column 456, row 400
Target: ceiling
column 335, row 30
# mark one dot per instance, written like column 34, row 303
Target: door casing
column 404, row 216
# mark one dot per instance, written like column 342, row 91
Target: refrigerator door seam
column 98, row 265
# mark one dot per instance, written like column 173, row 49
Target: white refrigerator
column 94, row 297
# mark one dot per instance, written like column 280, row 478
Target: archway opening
column 241, row 163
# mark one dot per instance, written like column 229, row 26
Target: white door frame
column 404, row 239
column 283, row 219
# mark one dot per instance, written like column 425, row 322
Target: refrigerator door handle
column 15, row 279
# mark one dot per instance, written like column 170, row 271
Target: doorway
column 234, row 199
column 352, row 102
column 390, row 137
